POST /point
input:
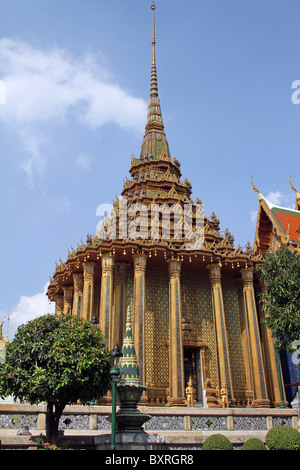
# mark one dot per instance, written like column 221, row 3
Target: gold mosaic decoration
column 157, row 327
column 233, row 325
column 196, row 293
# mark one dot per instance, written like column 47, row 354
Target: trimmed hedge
column 283, row 438
column 217, row 442
column 253, row 444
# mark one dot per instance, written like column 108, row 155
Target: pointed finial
column 297, row 207
column 255, row 189
column 292, row 186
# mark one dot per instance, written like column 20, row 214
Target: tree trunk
column 54, row 412
column 49, row 421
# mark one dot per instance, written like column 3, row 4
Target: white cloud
column 280, row 199
column 33, row 142
column 83, row 161
column 50, row 86
column 253, row 216
column 62, row 205
column 29, row 308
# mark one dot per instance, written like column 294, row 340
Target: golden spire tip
column 153, row 7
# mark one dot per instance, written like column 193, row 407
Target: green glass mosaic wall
column 157, row 327
column 197, row 304
column 234, row 334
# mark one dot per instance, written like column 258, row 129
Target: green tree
column 280, row 273
column 58, row 360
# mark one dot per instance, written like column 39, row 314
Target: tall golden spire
column 155, row 176
column 153, row 7
column 154, row 118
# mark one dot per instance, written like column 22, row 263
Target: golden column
column 120, row 303
column 59, row 300
column 106, row 298
column 68, row 295
column 272, row 370
column 78, row 293
column 221, row 331
column 139, row 260
column 258, row 373
column 88, row 290
column 176, row 370
column 245, row 339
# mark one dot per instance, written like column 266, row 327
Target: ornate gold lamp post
column 129, row 420
column 115, row 377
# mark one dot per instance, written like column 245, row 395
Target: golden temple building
column 195, row 315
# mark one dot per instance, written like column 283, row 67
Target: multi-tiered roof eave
column 155, row 178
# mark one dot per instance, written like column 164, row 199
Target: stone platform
column 180, row 428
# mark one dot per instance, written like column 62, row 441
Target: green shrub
column 217, row 442
column 283, row 438
column 253, row 444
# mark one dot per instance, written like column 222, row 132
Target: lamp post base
column 131, row 441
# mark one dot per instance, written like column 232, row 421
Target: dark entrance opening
column 190, row 369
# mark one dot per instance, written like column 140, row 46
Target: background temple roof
column 282, row 221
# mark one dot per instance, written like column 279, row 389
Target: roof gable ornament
column 297, row 206
column 256, row 190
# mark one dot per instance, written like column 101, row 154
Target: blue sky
column 77, row 79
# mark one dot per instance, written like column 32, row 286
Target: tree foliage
column 58, row 360
column 280, row 273
column 253, row 444
column 283, row 438
column 217, row 442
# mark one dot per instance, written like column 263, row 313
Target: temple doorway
column 192, row 368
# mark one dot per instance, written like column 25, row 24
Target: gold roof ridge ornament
column 297, row 207
column 292, row 186
column 255, row 189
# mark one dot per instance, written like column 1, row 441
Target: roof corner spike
column 255, row 189
column 297, row 207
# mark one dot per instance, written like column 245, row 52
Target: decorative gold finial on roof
column 256, row 190
column 297, row 207
column 293, row 188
